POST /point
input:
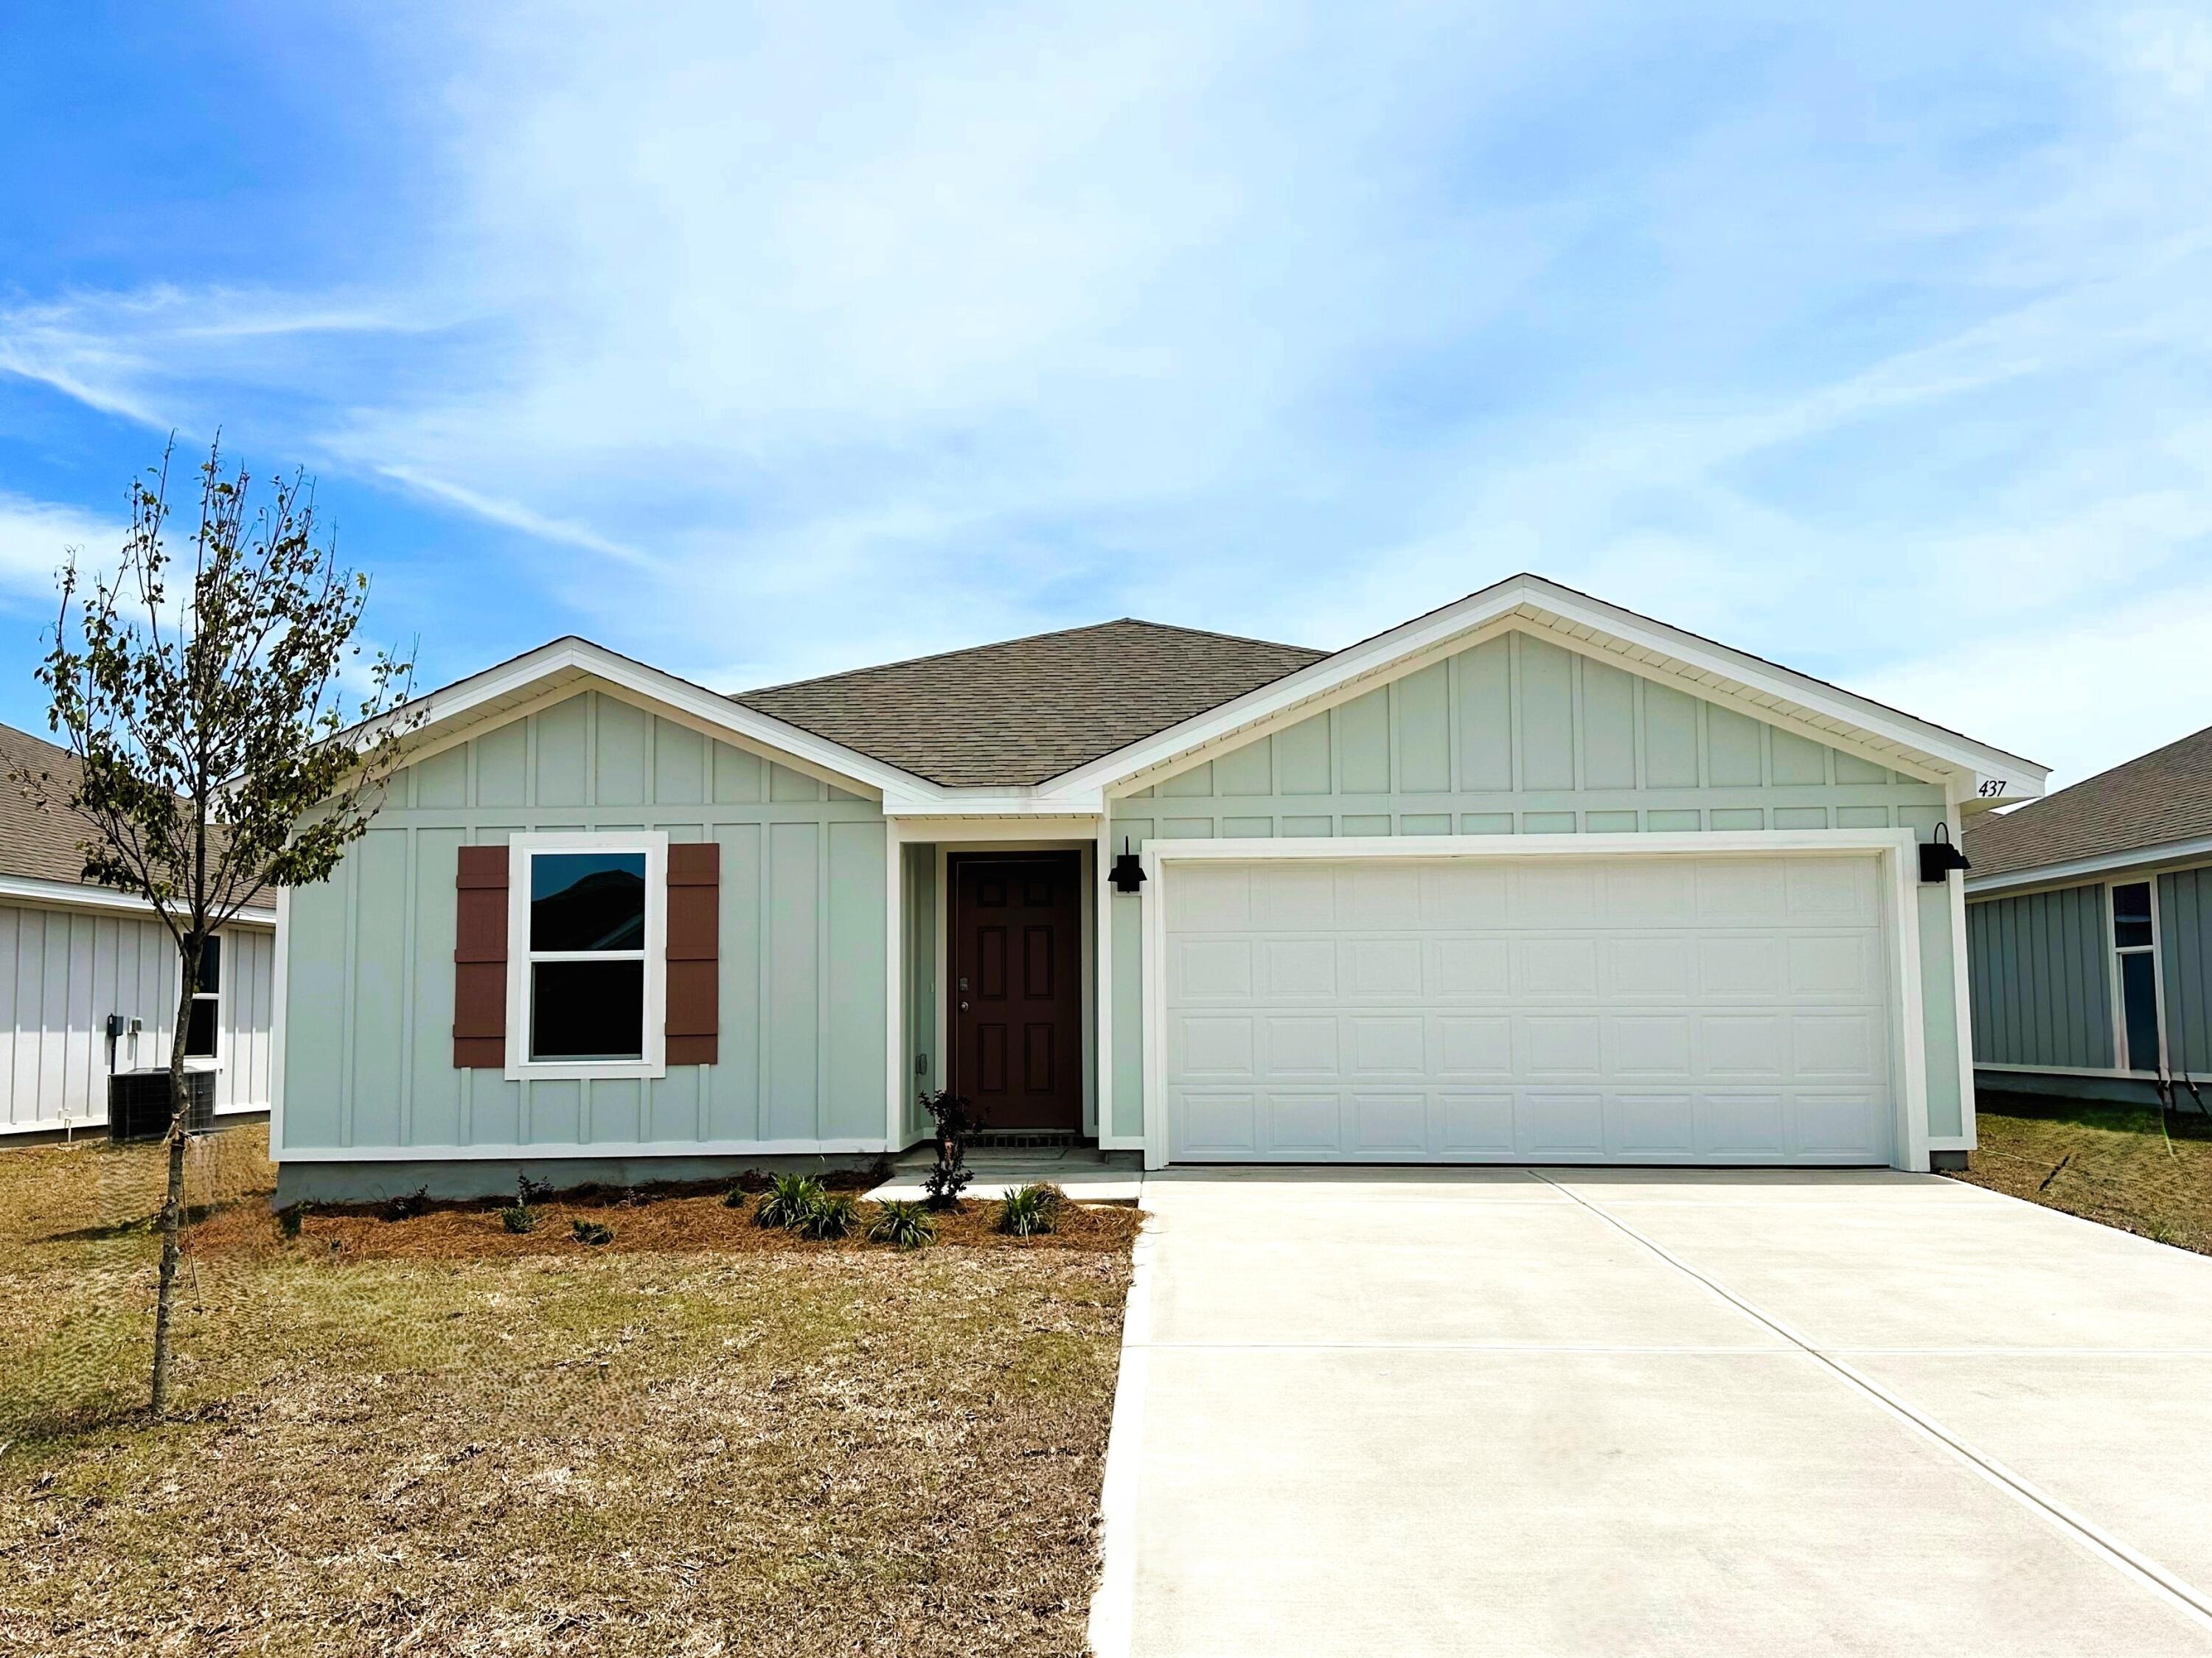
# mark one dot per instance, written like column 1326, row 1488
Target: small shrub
column 528, row 1192
column 905, row 1225
column 790, row 1200
column 408, row 1205
column 945, row 1185
column 1029, row 1209
column 289, row 1218
column 593, row 1231
column 735, row 1197
column 833, row 1215
column 519, row 1217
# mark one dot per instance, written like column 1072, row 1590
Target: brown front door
column 1017, row 988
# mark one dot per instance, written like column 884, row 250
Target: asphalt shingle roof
column 2164, row 795
column 38, row 842
column 1027, row 709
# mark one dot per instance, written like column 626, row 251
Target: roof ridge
column 1019, row 639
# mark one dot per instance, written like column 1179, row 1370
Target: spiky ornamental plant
column 201, row 695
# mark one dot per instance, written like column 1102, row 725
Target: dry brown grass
column 2118, row 1164
column 435, row 1437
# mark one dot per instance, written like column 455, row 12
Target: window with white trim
column 587, row 949
column 203, row 1028
column 2135, row 950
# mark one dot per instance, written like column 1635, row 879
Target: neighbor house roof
column 2163, row 797
column 1029, row 709
column 38, row 840
column 40, row 844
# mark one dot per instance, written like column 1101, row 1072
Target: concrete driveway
column 1573, row 1411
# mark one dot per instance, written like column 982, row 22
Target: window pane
column 2139, row 1007
column 199, row 1033
column 588, row 1011
column 2131, row 915
column 587, row 901
column 210, row 976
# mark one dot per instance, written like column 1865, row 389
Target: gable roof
column 1023, row 710
column 1670, row 655
column 2159, row 798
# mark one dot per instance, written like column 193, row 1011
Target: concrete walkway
column 1085, row 1172
column 1578, row 1413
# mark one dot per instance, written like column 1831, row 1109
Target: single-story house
column 89, row 975
column 1529, row 878
column 2089, row 927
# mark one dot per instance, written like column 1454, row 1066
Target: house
column 88, row 975
column 1528, row 878
column 2089, row 928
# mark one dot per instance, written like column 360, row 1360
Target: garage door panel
column 1654, row 966
column 1470, row 1048
column 1299, row 1046
column 1644, row 1126
column 1650, row 1046
column 1308, row 1123
column 1549, row 1122
column 1554, row 967
column 1209, row 971
column 1301, row 967
column 1475, row 968
column 1390, row 1123
column 1385, row 968
column 1834, row 1123
column 1833, row 965
column 1472, row 1123
column 1387, row 1046
column 1720, row 1008
column 1738, row 1124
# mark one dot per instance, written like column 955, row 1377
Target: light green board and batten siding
column 1520, row 736
column 368, row 1055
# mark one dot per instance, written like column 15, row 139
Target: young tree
column 204, row 723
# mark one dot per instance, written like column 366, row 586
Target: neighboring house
column 2090, row 921
column 77, row 961
column 1529, row 878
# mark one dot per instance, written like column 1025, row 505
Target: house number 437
column 1990, row 787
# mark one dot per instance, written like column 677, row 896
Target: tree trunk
column 173, row 1204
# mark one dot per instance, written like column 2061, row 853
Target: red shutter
column 695, row 932
column 480, row 959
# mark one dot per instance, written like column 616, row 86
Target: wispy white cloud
column 38, row 537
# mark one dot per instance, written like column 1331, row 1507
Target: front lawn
column 2114, row 1164
column 428, row 1434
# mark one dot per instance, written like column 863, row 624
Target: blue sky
column 760, row 343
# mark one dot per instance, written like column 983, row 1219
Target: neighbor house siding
column 2185, row 942
column 1520, row 736
column 2039, row 975
column 802, row 1045
column 63, row 972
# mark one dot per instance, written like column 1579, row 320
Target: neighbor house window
column 201, row 1027
column 2135, row 947
column 588, row 954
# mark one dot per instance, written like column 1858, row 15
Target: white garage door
column 1724, row 1009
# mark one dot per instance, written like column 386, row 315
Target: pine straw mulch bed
column 431, row 1436
column 2125, row 1166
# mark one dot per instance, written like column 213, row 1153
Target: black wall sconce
column 1938, row 857
column 1128, row 873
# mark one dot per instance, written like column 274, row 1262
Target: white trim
column 1102, row 904
column 505, row 692
column 2114, row 950
column 616, row 1149
column 280, row 973
column 1895, row 848
column 1714, row 671
column 76, row 895
column 1962, row 998
column 520, row 848
column 96, row 1128
column 895, row 1031
column 2163, row 859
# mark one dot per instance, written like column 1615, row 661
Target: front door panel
column 1017, row 989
